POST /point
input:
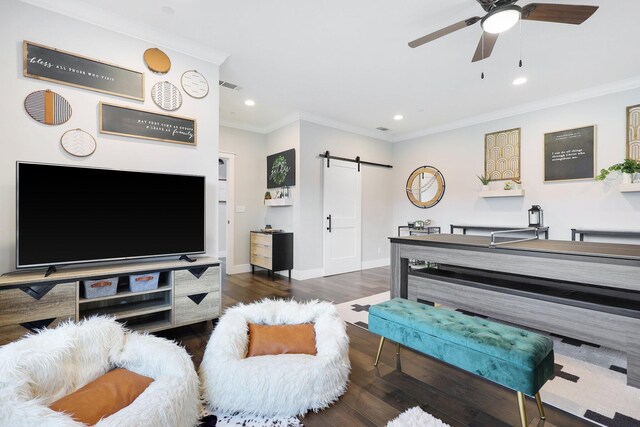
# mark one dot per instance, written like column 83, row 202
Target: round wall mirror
column 425, row 187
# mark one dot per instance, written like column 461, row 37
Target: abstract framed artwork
column 502, row 155
column 633, row 132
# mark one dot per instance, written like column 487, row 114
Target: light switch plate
column 241, row 208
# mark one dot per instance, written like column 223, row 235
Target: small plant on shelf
column 629, row 166
column 484, row 179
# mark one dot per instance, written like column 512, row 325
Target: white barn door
column 342, row 209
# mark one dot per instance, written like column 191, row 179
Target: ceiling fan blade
column 560, row 13
column 485, row 52
column 443, row 32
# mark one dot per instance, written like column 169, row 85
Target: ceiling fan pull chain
column 482, row 60
column 520, row 63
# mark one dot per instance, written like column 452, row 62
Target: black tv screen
column 68, row 214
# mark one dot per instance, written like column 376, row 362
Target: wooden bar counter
column 584, row 290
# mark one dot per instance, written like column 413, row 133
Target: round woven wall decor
column 194, row 84
column 47, row 107
column 157, row 61
column 78, row 143
column 166, row 96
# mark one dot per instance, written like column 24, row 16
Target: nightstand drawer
column 261, row 239
column 186, row 283
column 261, row 261
column 18, row 307
column 263, row 251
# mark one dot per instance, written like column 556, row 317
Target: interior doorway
column 226, row 220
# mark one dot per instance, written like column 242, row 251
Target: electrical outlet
column 379, row 251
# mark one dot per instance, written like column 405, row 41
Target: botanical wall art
column 281, row 169
column 127, row 121
column 47, row 107
column 46, row 63
column 502, row 155
column 633, row 132
column 570, row 154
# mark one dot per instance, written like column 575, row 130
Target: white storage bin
column 100, row 288
column 143, row 282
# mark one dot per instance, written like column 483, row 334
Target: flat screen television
column 70, row 214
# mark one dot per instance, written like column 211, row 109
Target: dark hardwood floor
column 377, row 395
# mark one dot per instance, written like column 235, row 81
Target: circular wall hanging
column 425, row 187
column 47, row 107
column 78, row 143
column 157, row 61
column 166, row 96
column 194, row 84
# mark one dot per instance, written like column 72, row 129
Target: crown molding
column 582, row 95
column 241, row 126
column 335, row 124
column 84, row 12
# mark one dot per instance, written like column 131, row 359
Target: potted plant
column 484, row 179
column 627, row 168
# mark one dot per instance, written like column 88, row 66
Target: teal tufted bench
column 515, row 358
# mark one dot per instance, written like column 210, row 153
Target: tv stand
column 52, row 269
column 187, row 293
column 186, row 258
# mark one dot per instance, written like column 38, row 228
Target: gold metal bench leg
column 523, row 409
column 540, row 407
column 398, row 349
column 379, row 351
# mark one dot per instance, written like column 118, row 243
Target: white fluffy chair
column 280, row 385
column 41, row 368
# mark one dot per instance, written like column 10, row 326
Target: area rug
column 416, row 417
column 218, row 419
column 590, row 380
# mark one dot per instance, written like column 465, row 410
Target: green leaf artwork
column 279, row 170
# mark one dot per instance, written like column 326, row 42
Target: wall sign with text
column 127, row 121
column 46, row 63
column 570, row 154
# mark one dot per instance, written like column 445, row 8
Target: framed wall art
column 502, row 155
column 194, row 84
column 54, row 65
column 570, row 154
column 633, row 132
column 127, row 121
column 166, row 96
column 78, row 143
column 47, row 107
column 281, row 169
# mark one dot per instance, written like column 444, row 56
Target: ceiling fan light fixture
column 501, row 19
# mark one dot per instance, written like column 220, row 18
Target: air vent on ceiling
column 228, row 85
column 383, row 129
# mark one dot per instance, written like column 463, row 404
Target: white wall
column 24, row 139
column 250, row 185
column 459, row 155
column 222, row 208
column 376, row 191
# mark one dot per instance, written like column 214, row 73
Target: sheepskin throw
column 416, row 417
column 40, row 369
column 275, row 385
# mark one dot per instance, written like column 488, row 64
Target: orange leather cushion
column 104, row 396
column 281, row 339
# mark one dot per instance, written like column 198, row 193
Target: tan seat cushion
column 281, row 339
column 102, row 397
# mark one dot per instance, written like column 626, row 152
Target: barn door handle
column 329, row 227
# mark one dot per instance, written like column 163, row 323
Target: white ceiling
column 348, row 62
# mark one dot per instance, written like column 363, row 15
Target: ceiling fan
column 504, row 14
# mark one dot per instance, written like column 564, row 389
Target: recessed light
column 250, row 102
column 520, row 81
column 168, row 10
column 398, row 117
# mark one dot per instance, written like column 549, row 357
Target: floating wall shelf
column 284, row 201
column 502, row 193
column 630, row 188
